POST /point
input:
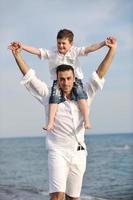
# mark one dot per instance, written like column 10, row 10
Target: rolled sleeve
column 98, row 81
column 28, row 76
column 43, row 53
column 35, row 86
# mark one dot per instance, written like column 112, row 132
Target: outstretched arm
column 30, row 49
column 16, row 51
column 105, row 64
column 95, row 47
column 34, row 85
column 97, row 79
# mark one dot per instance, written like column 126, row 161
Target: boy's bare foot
column 48, row 127
column 87, row 125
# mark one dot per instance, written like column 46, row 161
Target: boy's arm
column 19, row 45
column 30, row 49
column 94, row 47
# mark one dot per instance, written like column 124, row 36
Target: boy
column 65, row 53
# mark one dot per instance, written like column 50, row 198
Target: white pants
column 66, row 170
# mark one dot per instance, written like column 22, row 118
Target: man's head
column 66, row 78
column 64, row 40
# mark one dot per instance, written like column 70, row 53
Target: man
column 65, row 142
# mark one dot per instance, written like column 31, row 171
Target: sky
column 36, row 23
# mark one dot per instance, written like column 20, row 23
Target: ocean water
column 109, row 173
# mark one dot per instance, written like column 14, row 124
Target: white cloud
column 37, row 23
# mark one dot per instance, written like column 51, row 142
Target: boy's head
column 64, row 40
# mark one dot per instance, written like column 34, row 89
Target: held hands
column 15, row 47
column 111, row 42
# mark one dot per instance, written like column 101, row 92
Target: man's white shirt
column 68, row 126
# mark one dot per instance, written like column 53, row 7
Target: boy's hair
column 62, row 68
column 65, row 33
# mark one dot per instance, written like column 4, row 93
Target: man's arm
column 97, row 80
column 24, row 68
column 35, row 86
column 15, row 47
column 104, row 66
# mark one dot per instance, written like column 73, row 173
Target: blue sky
column 36, row 23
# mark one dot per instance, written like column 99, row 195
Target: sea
column 109, row 173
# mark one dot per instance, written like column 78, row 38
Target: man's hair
column 65, row 33
column 62, row 68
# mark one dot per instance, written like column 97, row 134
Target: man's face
column 65, row 81
column 63, row 45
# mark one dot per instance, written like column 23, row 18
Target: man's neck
column 68, row 96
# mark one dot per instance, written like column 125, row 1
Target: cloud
column 37, row 23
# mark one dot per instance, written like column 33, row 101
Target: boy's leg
column 51, row 116
column 81, row 97
column 83, row 105
column 53, row 103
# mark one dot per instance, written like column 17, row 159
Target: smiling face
column 63, row 45
column 66, row 80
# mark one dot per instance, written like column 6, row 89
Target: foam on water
column 91, row 198
column 12, row 193
column 126, row 147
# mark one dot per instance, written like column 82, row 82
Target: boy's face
column 63, row 45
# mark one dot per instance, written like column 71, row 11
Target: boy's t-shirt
column 70, row 58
